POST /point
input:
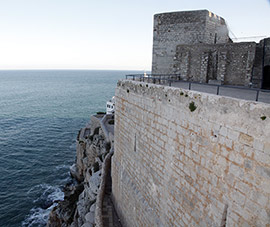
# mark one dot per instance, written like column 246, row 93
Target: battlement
column 189, row 27
column 182, row 16
column 188, row 17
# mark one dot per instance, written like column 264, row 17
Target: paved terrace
column 264, row 96
column 245, row 93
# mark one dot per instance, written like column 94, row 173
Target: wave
column 46, row 198
column 37, row 217
column 62, row 167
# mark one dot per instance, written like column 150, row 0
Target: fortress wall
column 229, row 63
column 175, row 167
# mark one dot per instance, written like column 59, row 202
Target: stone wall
column 184, row 158
column 188, row 27
column 196, row 45
column 229, row 63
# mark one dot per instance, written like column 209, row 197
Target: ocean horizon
column 41, row 112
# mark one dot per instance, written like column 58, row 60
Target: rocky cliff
column 83, row 200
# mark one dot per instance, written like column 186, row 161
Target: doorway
column 266, row 77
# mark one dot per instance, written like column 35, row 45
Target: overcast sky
column 104, row 34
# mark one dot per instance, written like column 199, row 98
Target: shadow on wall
column 266, row 77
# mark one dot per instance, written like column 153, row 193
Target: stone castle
column 177, row 157
column 187, row 158
column 196, row 44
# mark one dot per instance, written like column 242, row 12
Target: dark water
column 40, row 115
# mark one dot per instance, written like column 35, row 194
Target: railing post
column 126, row 77
column 257, row 95
column 133, row 77
column 189, row 86
column 218, row 90
column 170, row 83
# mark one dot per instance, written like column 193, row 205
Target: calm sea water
column 40, row 115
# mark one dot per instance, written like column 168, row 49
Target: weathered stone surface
column 80, row 147
column 94, row 181
column 93, row 208
column 91, row 154
column 73, row 171
column 78, row 207
column 87, row 224
column 174, row 167
column 90, row 217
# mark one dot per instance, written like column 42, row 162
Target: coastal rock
column 82, row 208
column 90, row 154
column 93, row 207
column 73, row 171
column 62, row 214
column 90, row 217
column 94, row 181
column 95, row 123
column 78, row 207
column 87, row 224
column 80, row 147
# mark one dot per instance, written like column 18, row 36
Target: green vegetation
column 192, row 106
column 263, row 118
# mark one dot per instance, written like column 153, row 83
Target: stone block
column 238, row 198
column 236, row 171
column 248, row 164
column 259, row 198
column 246, row 139
column 233, row 135
column 266, row 148
column 242, row 187
column 223, row 131
column 263, row 172
column 258, row 145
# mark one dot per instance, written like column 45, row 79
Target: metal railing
column 155, row 78
column 172, row 78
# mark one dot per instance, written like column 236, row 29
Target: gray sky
column 91, row 34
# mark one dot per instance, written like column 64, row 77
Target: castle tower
column 184, row 28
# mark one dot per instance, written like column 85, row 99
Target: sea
column 41, row 112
